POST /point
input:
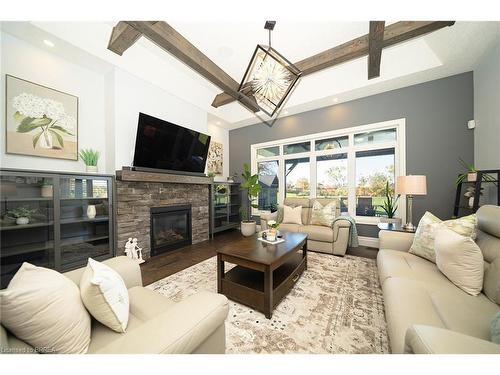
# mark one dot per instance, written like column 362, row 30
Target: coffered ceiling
column 445, row 52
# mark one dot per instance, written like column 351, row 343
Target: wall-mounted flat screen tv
column 162, row 145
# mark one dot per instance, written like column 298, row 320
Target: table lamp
column 410, row 186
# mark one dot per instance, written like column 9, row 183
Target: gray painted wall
column 436, row 115
column 487, row 110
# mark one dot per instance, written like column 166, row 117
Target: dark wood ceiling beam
column 167, row 38
column 122, row 37
column 375, row 43
column 395, row 33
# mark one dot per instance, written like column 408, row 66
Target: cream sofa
column 425, row 312
column 331, row 240
column 156, row 324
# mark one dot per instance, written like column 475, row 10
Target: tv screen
column 163, row 145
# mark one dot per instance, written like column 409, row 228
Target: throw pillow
column 323, row 215
column 423, row 243
column 495, row 328
column 460, row 260
column 43, row 308
column 105, row 295
column 292, row 215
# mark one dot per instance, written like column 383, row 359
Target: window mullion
column 351, row 177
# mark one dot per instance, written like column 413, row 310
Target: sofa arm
column 265, row 217
column 341, row 231
column 128, row 269
column 422, row 339
column 391, row 240
column 181, row 329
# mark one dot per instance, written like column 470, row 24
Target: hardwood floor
column 164, row 265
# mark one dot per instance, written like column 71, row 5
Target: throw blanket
column 353, row 233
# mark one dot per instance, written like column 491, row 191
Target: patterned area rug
column 335, row 307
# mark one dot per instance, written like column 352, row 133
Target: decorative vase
column 45, row 139
column 91, row 168
column 22, row 220
column 248, row 228
column 392, row 220
column 91, row 212
column 46, row 191
column 271, row 234
column 472, row 176
column 471, row 202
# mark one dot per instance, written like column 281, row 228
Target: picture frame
column 40, row 121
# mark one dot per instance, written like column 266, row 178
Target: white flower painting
column 215, row 157
column 41, row 121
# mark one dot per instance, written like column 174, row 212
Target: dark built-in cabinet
column 225, row 203
column 62, row 231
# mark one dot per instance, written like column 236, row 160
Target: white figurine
column 129, row 249
column 137, row 251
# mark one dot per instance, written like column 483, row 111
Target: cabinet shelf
column 25, row 249
column 84, row 199
column 26, row 226
column 34, row 199
column 84, row 220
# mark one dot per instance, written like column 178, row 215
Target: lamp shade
column 411, row 185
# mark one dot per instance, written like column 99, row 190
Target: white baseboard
column 368, row 241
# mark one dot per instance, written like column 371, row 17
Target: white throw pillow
column 105, row 295
column 43, row 308
column 323, row 215
column 460, row 260
column 292, row 215
column 423, row 242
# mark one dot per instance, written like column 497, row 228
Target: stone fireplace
column 140, row 194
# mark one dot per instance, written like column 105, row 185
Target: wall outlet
column 471, row 124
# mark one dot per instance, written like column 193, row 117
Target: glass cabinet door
column 27, row 222
column 234, row 204
column 221, row 198
column 85, row 231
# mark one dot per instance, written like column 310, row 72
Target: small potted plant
column 471, row 174
column 251, row 185
column 272, row 232
column 390, row 206
column 22, row 214
column 90, row 158
column 46, row 189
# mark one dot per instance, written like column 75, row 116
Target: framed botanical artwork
column 215, row 156
column 40, row 121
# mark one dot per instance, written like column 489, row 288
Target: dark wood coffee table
column 264, row 273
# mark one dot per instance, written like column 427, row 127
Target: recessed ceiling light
column 48, row 43
column 285, row 112
column 335, row 100
column 218, row 122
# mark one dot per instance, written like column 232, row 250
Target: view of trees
column 373, row 185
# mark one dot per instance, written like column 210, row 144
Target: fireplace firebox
column 170, row 228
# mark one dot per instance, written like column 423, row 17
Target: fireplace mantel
column 141, row 176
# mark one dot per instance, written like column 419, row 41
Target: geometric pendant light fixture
column 270, row 77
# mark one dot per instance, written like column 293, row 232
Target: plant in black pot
column 390, row 206
column 252, row 188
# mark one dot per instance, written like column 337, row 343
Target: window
column 351, row 164
column 297, row 148
column 332, row 143
column 297, row 177
column 374, row 169
column 268, row 151
column 385, row 135
column 268, row 180
column 331, row 177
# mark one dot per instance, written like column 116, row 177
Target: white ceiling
column 443, row 53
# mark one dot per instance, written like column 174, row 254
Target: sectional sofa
column 425, row 312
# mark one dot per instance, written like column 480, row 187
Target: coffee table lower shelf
column 247, row 286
